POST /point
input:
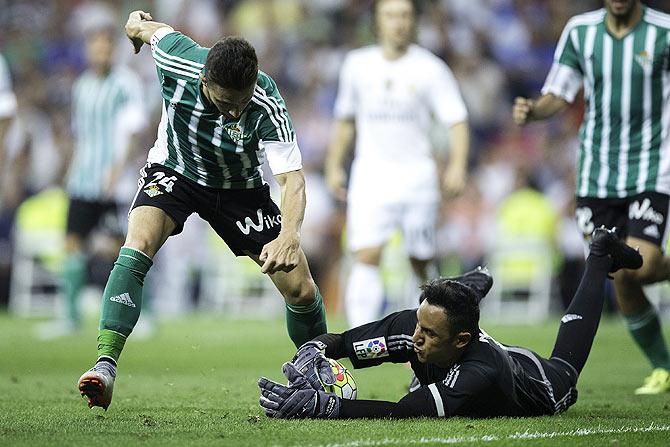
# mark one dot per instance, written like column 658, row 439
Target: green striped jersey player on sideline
column 620, row 56
column 221, row 119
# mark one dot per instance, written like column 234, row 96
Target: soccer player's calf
column 580, row 322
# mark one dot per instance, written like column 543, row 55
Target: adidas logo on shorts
column 124, row 299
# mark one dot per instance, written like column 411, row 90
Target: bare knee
column 148, row 229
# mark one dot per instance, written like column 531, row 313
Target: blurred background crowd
column 521, row 180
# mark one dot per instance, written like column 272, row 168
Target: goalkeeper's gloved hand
column 313, row 364
column 298, row 399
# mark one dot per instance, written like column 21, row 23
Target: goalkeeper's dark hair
column 458, row 301
column 232, row 63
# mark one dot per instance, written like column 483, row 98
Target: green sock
column 73, row 277
column 306, row 322
column 122, row 301
column 645, row 328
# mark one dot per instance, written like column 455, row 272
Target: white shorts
column 371, row 223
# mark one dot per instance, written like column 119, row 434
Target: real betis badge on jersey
column 234, row 131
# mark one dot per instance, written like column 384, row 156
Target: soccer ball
column 345, row 385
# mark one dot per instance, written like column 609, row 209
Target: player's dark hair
column 457, row 300
column 232, row 63
column 416, row 7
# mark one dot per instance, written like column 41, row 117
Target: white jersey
column 395, row 104
column 7, row 97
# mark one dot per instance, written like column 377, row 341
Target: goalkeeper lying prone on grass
column 461, row 369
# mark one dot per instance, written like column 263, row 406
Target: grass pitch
column 194, row 383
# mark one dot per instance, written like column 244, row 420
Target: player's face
column 395, row 22
column 230, row 102
column 433, row 341
column 620, row 8
column 100, row 51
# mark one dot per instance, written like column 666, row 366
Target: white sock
column 364, row 296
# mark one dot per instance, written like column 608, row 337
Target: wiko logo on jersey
column 372, row 348
column 124, row 299
column 644, row 211
column 263, row 222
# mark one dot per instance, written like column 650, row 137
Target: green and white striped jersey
column 106, row 111
column 624, row 137
column 196, row 141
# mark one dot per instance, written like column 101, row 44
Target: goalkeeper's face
column 433, row 339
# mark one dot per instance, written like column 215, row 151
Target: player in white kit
column 390, row 97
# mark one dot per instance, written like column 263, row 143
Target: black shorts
column 83, row 216
column 246, row 219
column 644, row 216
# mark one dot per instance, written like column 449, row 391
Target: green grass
column 194, row 383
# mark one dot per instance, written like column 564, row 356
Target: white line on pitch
column 518, row 436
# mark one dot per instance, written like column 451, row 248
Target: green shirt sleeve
column 177, row 56
column 567, row 52
column 275, row 124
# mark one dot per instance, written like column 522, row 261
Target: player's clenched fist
column 522, row 110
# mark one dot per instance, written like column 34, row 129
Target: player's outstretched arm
column 526, row 110
column 298, row 400
column 140, row 27
column 283, row 253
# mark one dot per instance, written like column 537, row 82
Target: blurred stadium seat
column 39, row 236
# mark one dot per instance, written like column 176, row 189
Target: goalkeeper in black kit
column 462, row 370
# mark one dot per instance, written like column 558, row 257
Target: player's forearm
column 136, row 28
column 547, row 106
column 356, row 409
column 4, row 126
column 293, row 201
column 459, row 139
column 341, row 143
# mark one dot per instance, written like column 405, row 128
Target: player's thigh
column 370, row 221
column 163, row 202
column 245, row 219
column 419, row 222
column 148, row 229
column 652, row 265
column 296, row 286
column 591, row 213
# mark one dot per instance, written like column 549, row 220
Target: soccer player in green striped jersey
column 107, row 116
column 620, row 55
column 222, row 118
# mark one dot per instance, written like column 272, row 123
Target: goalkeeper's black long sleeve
column 415, row 404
